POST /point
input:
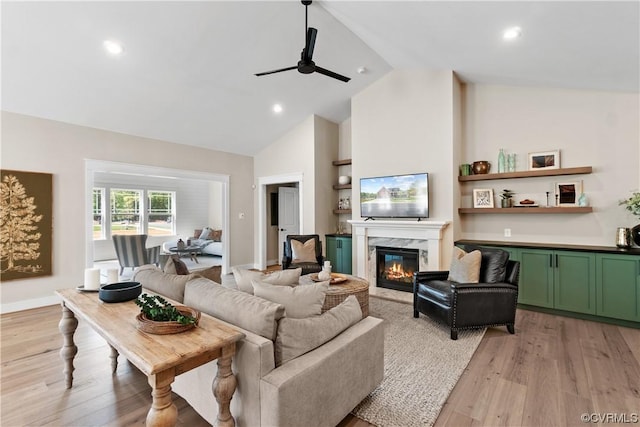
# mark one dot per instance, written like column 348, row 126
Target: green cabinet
column 618, row 286
column 339, row 253
column 564, row 280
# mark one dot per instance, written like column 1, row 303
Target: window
column 98, row 214
column 161, row 218
column 125, row 211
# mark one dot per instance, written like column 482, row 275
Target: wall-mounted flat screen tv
column 397, row 196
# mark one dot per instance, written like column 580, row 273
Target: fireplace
column 395, row 268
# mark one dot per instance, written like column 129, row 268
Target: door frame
column 261, row 260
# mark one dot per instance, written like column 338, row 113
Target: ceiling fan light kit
column 306, row 64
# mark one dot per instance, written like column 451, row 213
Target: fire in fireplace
column 395, row 268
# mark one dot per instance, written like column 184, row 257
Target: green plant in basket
column 156, row 308
column 632, row 204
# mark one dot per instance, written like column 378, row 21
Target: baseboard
column 29, row 304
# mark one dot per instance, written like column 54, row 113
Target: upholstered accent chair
column 491, row 302
column 303, row 251
column 132, row 251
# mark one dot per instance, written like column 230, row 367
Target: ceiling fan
column 306, row 64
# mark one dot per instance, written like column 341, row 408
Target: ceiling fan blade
column 310, row 44
column 276, row 71
column 331, row 74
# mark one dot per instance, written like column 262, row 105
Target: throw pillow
column 216, row 235
column 289, row 277
column 494, row 264
column 299, row 302
column 196, row 233
column 303, row 252
column 211, row 273
column 465, row 267
column 299, row 336
column 169, row 285
column 205, row 233
column 175, row 265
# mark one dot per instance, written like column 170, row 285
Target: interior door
column 288, row 215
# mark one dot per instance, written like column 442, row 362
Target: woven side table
column 337, row 293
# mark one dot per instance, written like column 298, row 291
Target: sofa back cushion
column 493, row 268
column 244, row 278
column 169, row 285
column 299, row 302
column 246, row 311
column 299, row 336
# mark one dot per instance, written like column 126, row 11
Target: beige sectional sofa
column 317, row 388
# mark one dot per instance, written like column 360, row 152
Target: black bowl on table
column 120, row 292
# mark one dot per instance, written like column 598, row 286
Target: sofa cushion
column 303, row 252
column 175, row 265
column 281, row 277
column 299, row 336
column 493, row 268
column 246, row 311
column 211, row 273
column 168, row 285
column 465, row 267
column 299, row 302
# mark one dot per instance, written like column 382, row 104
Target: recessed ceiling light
column 113, row 47
column 277, row 108
column 362, row 70
column 512, row 33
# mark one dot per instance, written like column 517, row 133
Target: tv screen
column 398, row 196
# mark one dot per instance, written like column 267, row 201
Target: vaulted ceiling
column 187, row 71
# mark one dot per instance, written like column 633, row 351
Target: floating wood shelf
column 527, row 174
column 552, row 210
column 342, row 186
column 342, row 211
column 342, row 162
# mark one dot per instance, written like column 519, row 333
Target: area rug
column 421, row 367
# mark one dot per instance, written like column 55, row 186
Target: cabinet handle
column 550, row 261
column 556, row 260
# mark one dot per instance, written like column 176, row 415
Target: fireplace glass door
column 395, row 268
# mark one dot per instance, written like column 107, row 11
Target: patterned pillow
column 175, row 265
column 303, row 252
column 197, row 232
column 216, row 235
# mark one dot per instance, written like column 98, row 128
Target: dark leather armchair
column 308, row 265
column 492, row 302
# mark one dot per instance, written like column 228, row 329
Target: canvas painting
column 25, row 224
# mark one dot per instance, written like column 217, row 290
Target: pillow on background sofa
column 299, row 336
column 216, row 235
column 289, row 277
column 465, row 267
column 175, row 265
column 299, row 302
column 211, row 273
column 205, row 233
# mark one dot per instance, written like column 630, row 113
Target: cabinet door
column 536, row 277
column 618, row 286
column 574, row 281
column 345, row 255
column 332, row 251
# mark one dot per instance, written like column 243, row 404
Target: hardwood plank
column 507, row 404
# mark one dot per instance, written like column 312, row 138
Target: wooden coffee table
column 160, row 357
column 339, row 292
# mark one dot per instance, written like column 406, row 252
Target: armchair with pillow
column 303, row 251
column 480, row 290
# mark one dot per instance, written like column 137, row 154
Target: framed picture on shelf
column 544, row 160
column 567, row 193
column 482, row 198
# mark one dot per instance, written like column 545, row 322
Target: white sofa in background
column 209, row 247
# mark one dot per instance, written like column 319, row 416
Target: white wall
column 590, row 128
column 33, row 144
column 403, row 123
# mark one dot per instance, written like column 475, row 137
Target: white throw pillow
column 299, row 302
column 299, row 336
column 465, row 267
column 205, row 233
column 303, row 252
column 289, row 277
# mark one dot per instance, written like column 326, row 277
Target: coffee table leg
column 163, row 412
column 67, row 326
column 114, row 359
column 224, row 386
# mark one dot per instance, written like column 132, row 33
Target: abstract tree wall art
column 25, row 224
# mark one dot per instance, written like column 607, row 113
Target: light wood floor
column 549, row 373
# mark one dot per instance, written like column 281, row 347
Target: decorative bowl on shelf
column 481, row 167
column 344, row 179
column 120, row 292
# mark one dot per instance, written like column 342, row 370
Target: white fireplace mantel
column 431, row 231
